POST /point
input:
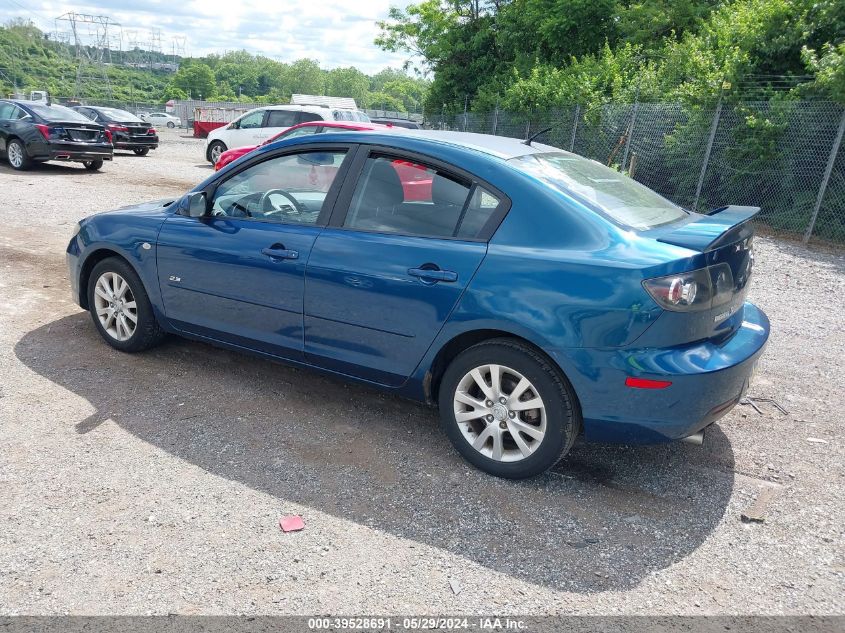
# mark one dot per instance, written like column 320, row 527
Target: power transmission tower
column 92, row 45
column 155, row 47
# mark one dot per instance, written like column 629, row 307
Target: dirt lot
column 154, row 483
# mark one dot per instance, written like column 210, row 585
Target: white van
column 261, row 123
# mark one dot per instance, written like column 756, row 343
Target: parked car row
column 36, row 132
column 32, row 132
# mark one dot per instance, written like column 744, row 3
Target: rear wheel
column 214, row 150
column 17, row 156
column 141, row 151
column 93, row 165
column 171, row 124
column 120, row 307
column 507, row 410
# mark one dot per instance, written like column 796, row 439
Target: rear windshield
column 57, row 113
column 121, row 116
column 621, row 198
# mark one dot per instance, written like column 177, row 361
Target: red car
column 416, row 179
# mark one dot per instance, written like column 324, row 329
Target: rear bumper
column 707, row 379
column 76, row 152
column 135, row 142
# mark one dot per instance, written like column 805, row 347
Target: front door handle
column 278, row 251
column 433, row 274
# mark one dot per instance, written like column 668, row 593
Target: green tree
column 347, row 82
column 196, row 79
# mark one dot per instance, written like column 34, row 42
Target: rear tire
column 214, row 150
column 120, row 307
column 141, row 151
column 93, row 165
column 521, row 422
column 17, row 156
column 171, row 124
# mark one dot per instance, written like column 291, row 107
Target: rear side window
column 6, row 111
column 282, row 118
column 304, row 117
column 398, row 196
column 623, row 199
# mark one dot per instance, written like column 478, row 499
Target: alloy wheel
column 15, row 154
column 500, row 413
column 115, row 305
column 215, row 153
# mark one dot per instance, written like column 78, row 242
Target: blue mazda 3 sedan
column 529, row 292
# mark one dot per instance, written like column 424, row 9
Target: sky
column 334, row 32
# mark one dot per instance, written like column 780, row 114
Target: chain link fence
column 786, row 157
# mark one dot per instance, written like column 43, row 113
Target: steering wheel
column 265, row 198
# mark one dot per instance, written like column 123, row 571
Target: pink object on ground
column 291, row 523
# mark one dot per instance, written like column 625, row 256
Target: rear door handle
column 277, row 251
column 433, row 275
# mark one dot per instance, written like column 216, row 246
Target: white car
column 260, row 124
column 161, row 119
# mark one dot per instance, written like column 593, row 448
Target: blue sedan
column 529, row 292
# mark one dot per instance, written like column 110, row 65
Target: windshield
column 57, row 113
column 120, row 115
column 623, row 199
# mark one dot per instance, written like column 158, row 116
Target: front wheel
column 141, row 151
column 120, row 307
column 214, row 150
column 93, row 165
column 171, row 124
column 507, row 410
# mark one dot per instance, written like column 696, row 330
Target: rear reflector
column 645, row 383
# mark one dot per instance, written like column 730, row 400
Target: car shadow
column 603, row 519
column 57, row 168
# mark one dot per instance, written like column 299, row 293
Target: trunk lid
column 725, row 240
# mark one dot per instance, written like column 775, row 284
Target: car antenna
column 535, row 135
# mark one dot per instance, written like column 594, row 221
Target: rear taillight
column 700, row 289
column 108, row 135
column 50, row 133
column 118, row 128
column 151, row 131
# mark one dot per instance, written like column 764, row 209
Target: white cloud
column 334, row 32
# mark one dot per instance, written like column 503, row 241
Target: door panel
column 232, row 280
column 366, row 314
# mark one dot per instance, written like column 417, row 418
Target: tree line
column 537, row 54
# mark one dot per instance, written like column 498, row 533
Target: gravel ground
column 154, row 483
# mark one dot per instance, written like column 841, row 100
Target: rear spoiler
column 709, row 232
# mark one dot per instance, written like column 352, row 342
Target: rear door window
column 282, row 118
column 304, row 117
column 394, row 195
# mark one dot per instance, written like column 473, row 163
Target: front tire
column 214, row 150
column 17, row 156
column 171, row 124
column 507, row 409
column 141, row 151
column 93, row 165
column 120, row 307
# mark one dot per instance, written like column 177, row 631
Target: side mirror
column 234, row 125
column 194, row 205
